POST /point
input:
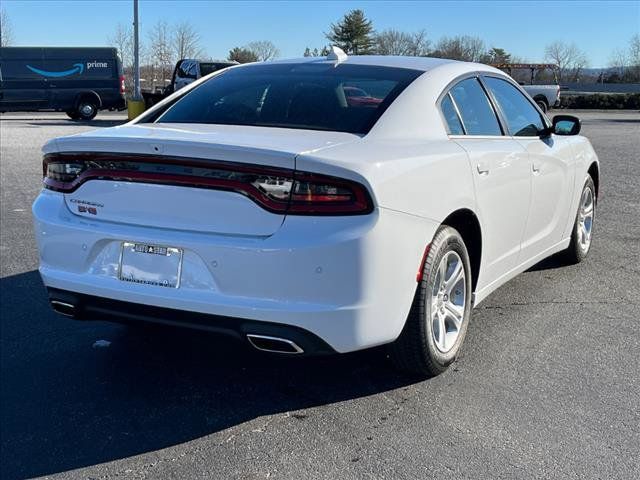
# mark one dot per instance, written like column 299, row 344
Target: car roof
column 415, row 63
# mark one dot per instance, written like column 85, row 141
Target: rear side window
column 477, row 113
column 522, row 118
column 451, row 116
column 314, row 96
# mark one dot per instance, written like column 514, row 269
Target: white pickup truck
column 546, row 96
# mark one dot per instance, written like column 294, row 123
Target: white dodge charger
column 319, row 205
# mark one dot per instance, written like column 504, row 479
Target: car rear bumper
column 88, row 307
column 348, row 280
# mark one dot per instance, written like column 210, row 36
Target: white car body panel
column 553, row 166
column 325, row 275
column 502, row 186
column 350, row 280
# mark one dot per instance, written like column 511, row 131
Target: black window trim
column 447, row 90
column 457, row 110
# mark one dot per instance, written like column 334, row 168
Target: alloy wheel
column 585, row 219
column 448, row 301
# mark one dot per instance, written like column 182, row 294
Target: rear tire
column 87, row 109
column 543, row 105
column 582, row 233
column 437, row 323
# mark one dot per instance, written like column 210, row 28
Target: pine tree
column 242, row 55
column 353, row 33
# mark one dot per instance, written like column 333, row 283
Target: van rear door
column 23, row 88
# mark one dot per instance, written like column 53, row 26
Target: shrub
column 602, row 101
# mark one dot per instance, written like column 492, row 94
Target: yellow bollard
column 135, row 108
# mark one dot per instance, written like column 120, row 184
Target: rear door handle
column 482, row 169
column 535, row 168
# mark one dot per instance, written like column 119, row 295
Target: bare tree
column 122, row 39
column 6, row 30
column 461, row 47
column 395, row 42
column 568, row 58
column 186, row 41
column 264, row 49
column 634, row 57
column 160, row 52
column 619, row 61
column 634, row 50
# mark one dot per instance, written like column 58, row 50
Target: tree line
column 166, row 43
column 354, row 33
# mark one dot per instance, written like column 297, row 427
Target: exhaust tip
column 269, row 344
column 64, row 308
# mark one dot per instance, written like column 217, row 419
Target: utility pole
column 136, row 55
column 135, row 105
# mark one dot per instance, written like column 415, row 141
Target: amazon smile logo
column 78, row 68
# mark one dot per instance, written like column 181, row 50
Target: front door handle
column 535, row 168
column 482, row 169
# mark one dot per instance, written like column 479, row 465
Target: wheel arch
column 594, row 172
column 88, row 94
column 541, row 98
column 467, row 224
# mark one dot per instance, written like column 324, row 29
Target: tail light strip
column 278, row 190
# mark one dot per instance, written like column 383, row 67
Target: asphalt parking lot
column 547, row 385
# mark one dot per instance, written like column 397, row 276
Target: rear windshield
column 313, row 96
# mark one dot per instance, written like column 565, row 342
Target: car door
column 501, row 173
column 552, row 167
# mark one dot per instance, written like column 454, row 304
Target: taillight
column 122, row 88
column 320, row 194
column 277, row 190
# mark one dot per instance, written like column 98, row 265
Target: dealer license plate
column 150, row 264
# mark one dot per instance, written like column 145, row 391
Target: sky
column 523, row 28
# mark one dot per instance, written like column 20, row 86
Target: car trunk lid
column 189, row 177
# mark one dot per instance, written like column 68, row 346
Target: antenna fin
column 337, row 54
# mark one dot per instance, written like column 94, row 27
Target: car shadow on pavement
column 69, row 402
column 557, row 260
column 76, row 123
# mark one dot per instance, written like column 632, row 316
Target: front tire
column 582, row 233
column 441, row 309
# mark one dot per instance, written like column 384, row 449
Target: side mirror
column 566, row 125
